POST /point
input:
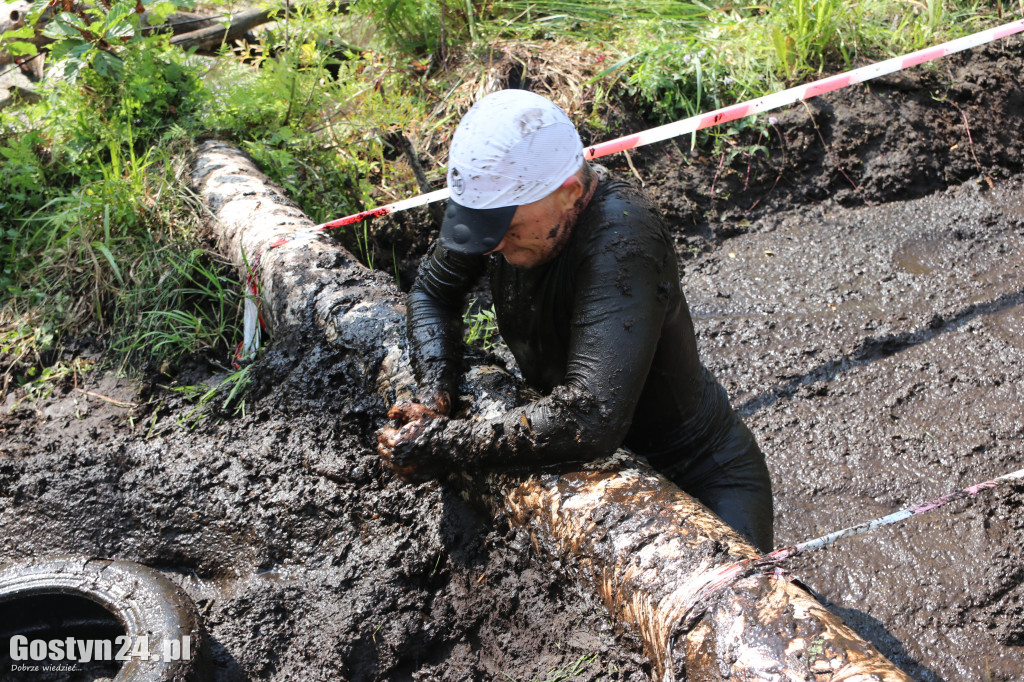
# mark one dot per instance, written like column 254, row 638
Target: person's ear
column 569, row 193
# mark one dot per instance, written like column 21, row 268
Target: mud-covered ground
column 859, row 292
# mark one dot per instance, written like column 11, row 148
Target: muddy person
column 586, row 289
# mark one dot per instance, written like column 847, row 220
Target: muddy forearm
column 434, row 316
column 564, row 426
column 435, row 338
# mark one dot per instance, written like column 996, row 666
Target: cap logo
column 458, row 184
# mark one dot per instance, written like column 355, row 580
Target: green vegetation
column 481, row 326
column 585, row 664
column 224, row 396
column 100, row 236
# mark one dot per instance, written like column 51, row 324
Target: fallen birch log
column 658, row 559
column 12, row 16
column 212, row 36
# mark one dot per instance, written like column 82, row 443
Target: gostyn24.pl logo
column 42, row 654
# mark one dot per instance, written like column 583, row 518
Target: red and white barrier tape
column 723, row 576
column 669, row 130
column 737, row 111
column 803, row 92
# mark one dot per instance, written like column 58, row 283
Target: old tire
column 99, row 599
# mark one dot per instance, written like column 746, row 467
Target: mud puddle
column 877, row 353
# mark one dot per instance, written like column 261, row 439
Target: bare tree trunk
column 12, row 16
column 662, row 563
column 211, row 37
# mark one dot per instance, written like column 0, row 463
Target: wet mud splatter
column 859, row 293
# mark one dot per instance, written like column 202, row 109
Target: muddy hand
column 435, row 405
column 405, row 412
column 406, row 448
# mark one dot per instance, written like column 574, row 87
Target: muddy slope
column 872, row 338
column 898, row 137
column 307, row 561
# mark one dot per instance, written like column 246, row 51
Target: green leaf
column 118, row 22
column 22, row 49
column 102, row 248
column 73, row 67
column 35, row 11
column 122, row 29
column 173, row 72
column 78, row 57
column 23, row 32
column 61, row 49
column 119, row 11
column 159, row 12
column 64, row 25
column 108, row 65
column 80, row 50
column 780, row 43
column 100, row 14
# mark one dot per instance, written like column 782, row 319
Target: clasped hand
column 406, row 447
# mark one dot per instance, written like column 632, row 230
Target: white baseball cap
column 512, row 147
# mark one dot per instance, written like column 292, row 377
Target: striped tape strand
column 741, row 110
column 683, row 127
column 803, row 92
column 783, row 553
column 721, row 577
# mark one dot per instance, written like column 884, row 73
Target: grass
column 101, row 238
column 93, row 236
column 196, row 308
column 225, row 396
column 481, row 326
column 568, row 671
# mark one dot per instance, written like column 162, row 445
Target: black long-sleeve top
column 603, row 329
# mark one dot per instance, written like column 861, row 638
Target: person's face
column 539, row 230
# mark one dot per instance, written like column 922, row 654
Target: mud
column 306, row 560
column 894, row 138
column 873, row 339
column 877, row 354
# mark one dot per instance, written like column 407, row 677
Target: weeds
column 421, row 27
column 224, row 398
column 565, row 672
column 481, row 326
column 98, row 219
column 807, row 33
column 94, row 262
column 192, row 308
column 571, row 670
column 38, row 381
